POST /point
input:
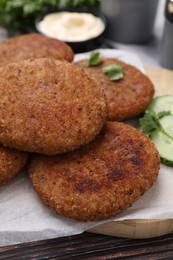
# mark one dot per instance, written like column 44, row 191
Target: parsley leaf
column 150, row 122
column 114, row 71
column 94, row 59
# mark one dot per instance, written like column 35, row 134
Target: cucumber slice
column 163, row 137
column 167, row 125
column 162, row 103
column 164, row 145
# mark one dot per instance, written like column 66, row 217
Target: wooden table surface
column 92, row 246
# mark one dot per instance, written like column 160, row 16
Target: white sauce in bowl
column 71, row 26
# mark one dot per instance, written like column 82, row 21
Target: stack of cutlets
column 58, row 115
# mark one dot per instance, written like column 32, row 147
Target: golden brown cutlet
column 101, row 179
column 11, row 163
column 33, row 45
column 49, row 106
column 128, row 97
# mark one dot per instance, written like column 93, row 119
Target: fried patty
column 100, row 180
column 49, row 106
column 33, row 45
column 128, row 97
column 11, row 163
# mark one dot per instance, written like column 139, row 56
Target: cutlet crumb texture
column 128, row 97
column 49, row 106
column 33, row 45
column 11, row 163
column 101, row 179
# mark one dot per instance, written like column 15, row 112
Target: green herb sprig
column 114, row 71
column 94, row 59
column 150, row 122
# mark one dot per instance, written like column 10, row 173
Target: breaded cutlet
column 33, row 45
column 101, row 179
column 11, row 163
column 49, row 106
column 127, row 97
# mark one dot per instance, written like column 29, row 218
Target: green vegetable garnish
column 150, row 122
column 157, row 123
column 20, row 15
column 114, row 71
column 94, row 59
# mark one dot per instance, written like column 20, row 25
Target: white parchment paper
column 24, row 218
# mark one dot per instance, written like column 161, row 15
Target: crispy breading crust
column 128, row 97
column 49, row 106
column 100, row 180
column 11, row 163
column 33, row 45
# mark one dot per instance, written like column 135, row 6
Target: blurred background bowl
column 129, row 21
column 81, row 45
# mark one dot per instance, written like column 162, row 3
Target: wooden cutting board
column 143, row 228
column 162, row 79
